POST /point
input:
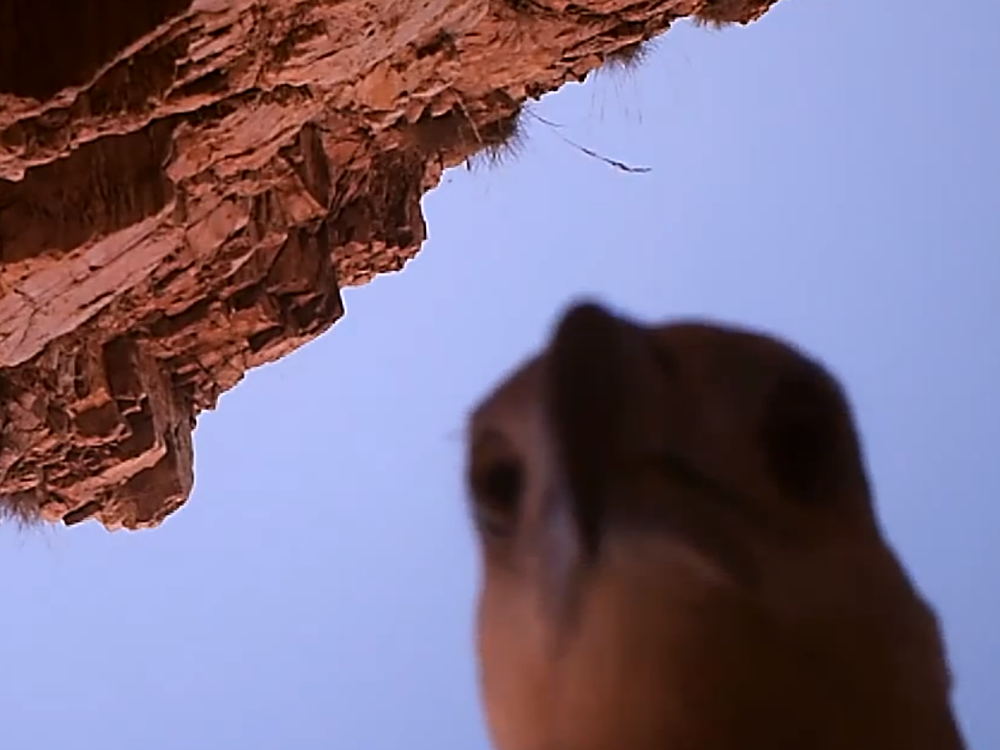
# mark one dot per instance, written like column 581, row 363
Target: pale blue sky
column 831, row 173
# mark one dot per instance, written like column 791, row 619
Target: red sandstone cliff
column 186, row 185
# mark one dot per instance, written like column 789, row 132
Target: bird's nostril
column 801, row 431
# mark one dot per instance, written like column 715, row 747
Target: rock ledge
column 187, row 185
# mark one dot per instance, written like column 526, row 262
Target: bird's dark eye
column 497, row 480
column 802, row 433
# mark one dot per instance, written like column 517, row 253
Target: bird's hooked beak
column 600, row 381
column 599, row 374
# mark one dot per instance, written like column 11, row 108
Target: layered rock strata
column 187, row 185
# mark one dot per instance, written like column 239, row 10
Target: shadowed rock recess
column 187, row 185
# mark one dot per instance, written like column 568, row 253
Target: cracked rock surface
column 187, row 185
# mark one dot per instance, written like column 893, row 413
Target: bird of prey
column 680, row 551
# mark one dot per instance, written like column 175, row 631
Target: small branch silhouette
column 619, row 165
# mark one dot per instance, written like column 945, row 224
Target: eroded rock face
column 186, row 185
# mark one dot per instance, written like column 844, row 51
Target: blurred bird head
column 680, row 550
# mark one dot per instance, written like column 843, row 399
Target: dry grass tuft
column 719, row 13
column 502, row 140
column 628, row 59
column 21, row 510
column 710, row 23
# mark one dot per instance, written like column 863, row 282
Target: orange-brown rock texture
column 187, row 185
